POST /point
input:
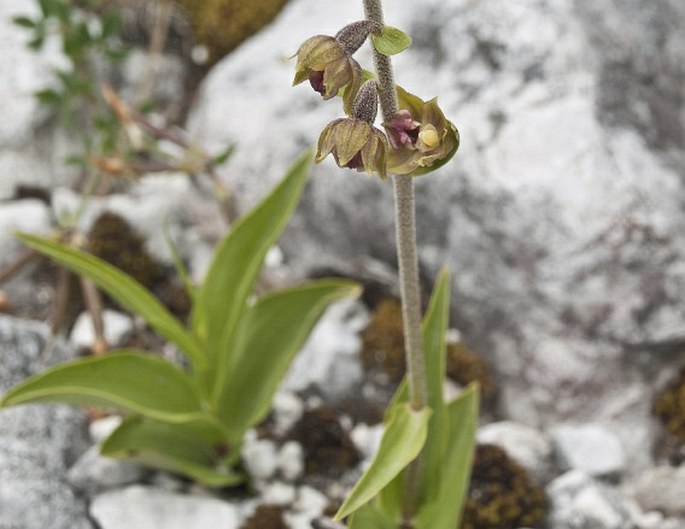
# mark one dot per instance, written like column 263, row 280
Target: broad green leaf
column 273, row 332
column 404, row 436
column 391, row 41
column 127, row 291
column 236, row 265
column 444, row 509
column 368, row 517
column 127, row 380
column 169, row 447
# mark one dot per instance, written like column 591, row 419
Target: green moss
column 383, row 340
column 222, row 25
column 464, row 366
column 112, row 239
column 328, row 449
column 501, row 494
column 383, row 349
column 669, row 406
column 266, row 517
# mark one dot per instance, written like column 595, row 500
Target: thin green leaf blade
column 169, row 447
column 236, row 265
column 403, row 439
column 128, row 380
column 434, row 330
column 444, row 509
column 127, row 291
column 274, row 330
column 391, row 41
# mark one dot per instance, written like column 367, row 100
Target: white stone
column 580, row 502
column 287, row 409
column 93, row 472
column 310, row 501
column 291, row 460
column 329, row 358
column 530, row 447
column 278, row 493
column 101, row 429
column 261, row 458
column 139, row 507
column 31, row 216
column 367, row 438
column 589, row 447
column 661, row 489
column 117, row 327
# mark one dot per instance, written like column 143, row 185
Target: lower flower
column 355, row 144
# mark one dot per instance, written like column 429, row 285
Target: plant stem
column 405, row 230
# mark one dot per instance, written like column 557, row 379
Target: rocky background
column 562, row 217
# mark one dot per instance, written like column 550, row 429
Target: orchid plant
column 419, row 476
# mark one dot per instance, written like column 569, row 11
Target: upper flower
column 422, row 139
column 328, row 64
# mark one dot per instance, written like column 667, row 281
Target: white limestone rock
column 592, row 448
column 561, row 215
column 139, row 507
column 117, row 327
column 528, row 446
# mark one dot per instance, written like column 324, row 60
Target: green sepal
column 391, row 41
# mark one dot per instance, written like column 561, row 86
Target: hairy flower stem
column 405, row 228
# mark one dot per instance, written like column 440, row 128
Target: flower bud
column 354, row 35
column 365, row 105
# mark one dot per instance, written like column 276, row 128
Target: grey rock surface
column 531, row 448
column 30, row 153
column 37, row 443
column 562, row 216
column 578, row 501
column 661, row 489
column 589, row 447
column 139, row 507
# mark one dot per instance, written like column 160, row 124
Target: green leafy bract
column 404, row 437
column 391, row 41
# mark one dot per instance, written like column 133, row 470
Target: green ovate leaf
column 235, row 267
column 129, row 381
column 368, row 517
column 404, row 436
column 391, row 41
column 443, row 510
column 24, row 22
column 170, row 447
column 124, row 289
column 273, row 331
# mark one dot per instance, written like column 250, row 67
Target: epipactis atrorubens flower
column 354, row 142
column 421, row 138
column 328, row 64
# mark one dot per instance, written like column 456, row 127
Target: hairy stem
column 405, row 229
